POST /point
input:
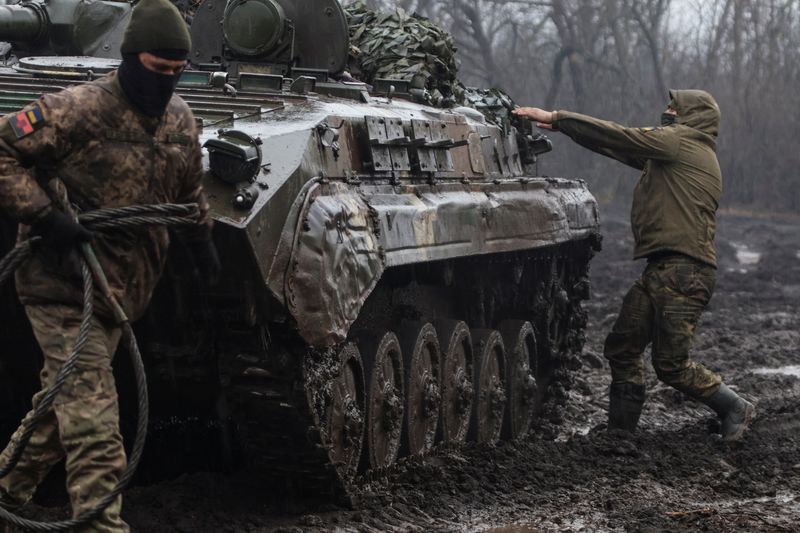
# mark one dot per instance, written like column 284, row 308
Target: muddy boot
column 625, row 405
column 734, row 412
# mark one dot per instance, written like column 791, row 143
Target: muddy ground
column 572, row 475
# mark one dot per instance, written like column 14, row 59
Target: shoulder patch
column 648, row 130
column 26, row 122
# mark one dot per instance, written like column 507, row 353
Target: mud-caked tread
column 284, row 434
column 281, row 440
column 281, row 431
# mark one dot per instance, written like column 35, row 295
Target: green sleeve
column 635, row 162
column 632, row 146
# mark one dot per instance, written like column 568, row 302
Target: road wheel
column 522, row 390
column 422, row 358
column 490, row 401
column 457, row 379
column 345, row 414
column 385, row 398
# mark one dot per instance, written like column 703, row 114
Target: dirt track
column 571, row 475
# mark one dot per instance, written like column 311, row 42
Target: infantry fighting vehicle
column 395, row 274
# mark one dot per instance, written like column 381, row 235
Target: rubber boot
column 625, row 405
column 734, row 412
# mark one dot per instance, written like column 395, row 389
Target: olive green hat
column 156, row 25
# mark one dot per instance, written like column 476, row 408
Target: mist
column 616, row 59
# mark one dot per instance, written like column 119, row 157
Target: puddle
column 791, row 370
column 745, row 255
column 789, row 501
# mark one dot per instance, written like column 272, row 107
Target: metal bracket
column 303, row 85
column 397, row 139
column 426, row 158
column 433, row 146
column 443, row 142
column 329, row 138
column 388, row 144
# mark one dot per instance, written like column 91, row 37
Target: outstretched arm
column 632, row 146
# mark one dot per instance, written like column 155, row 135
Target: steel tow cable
column 101, row 220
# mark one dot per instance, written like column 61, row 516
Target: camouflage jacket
column 675, row 202
column 106, row 154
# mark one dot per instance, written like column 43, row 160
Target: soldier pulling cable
column 103, row 220
column 123, row 140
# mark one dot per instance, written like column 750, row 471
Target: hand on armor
column 60, row 231
column 543, row 119
column 207, row 261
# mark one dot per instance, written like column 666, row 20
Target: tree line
column 616, row 59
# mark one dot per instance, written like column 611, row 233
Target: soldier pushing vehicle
column 673, row 219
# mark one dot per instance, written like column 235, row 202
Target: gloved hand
column 60, row 231
column 207, row 261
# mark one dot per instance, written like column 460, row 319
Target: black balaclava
column 149, row 91
column 668, row 119
column 157, row 27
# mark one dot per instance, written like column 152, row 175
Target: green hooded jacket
column 676, row 199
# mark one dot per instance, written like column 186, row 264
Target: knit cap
column 156, row 25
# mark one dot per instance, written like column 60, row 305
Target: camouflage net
column 396, row 45
column 401, row 46
column 495, row 105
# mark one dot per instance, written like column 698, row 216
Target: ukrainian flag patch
column 26, row 122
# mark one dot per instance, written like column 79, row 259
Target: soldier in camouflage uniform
column 122, row 140
column 673, row 218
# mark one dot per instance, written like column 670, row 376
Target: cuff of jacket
column 556, row 117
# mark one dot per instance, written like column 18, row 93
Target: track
column 327, row 424
column 453, row 352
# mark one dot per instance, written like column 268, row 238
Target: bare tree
column 616, row 58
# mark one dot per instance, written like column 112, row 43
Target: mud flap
column 336, row 262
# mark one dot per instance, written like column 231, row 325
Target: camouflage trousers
column 82, row 425
column 663, row 307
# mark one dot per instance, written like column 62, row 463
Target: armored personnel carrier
column 396, row 275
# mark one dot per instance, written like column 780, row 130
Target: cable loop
column 101, row 220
